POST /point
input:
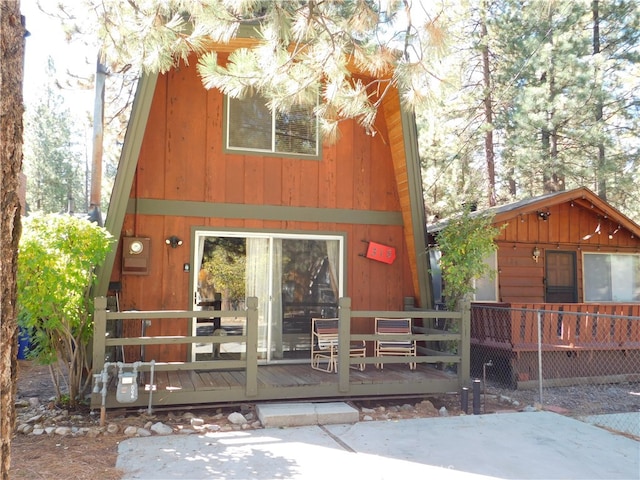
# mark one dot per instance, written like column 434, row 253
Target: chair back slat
column 393, row 325
column 326, row 332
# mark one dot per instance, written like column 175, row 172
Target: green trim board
column 126, row 171
column 416, row 196
column 143, row 206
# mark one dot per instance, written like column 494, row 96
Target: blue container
column 24, row 343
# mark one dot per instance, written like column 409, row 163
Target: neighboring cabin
column 572, row 261
column 563, row 247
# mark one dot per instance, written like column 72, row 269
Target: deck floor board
column 193, row 386
column 287, row 375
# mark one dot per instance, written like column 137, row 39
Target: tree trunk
column 12, row 34
column 488, row 109
column 600, row 175
column 98, row 135
column 553, row 178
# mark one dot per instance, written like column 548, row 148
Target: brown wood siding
column 567, row 225
column 182, row 158
column 392, row 115
column 181, row 140
column 521, row 279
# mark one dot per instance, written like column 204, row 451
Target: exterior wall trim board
column 261, row 212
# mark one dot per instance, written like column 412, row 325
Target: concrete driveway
column 535, row 445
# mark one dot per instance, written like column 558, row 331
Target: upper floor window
column 251, row 126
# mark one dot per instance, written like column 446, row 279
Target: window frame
column 437, row 281
column 489, row 278
column 609, row 255
column 264, row 152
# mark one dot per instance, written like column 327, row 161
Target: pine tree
column 56, row 173
column 560, row 115
column 304, row 50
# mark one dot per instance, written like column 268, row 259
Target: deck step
column 299, row 414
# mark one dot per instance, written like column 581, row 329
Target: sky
column 46, row 39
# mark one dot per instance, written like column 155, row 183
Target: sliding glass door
column 294, row 276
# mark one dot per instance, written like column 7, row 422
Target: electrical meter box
column 135, row 255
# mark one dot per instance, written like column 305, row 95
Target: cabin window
column 252, row 127
column 611, row 277
column 486, row 287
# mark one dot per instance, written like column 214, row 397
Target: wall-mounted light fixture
column 544, row 215
column 535, row 254
column 173, row 241
column 611, row 234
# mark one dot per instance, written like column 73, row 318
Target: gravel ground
column 579, row 400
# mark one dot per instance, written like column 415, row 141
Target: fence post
column 99, row 333
column 344, row 343
column 540, row 354
column 464, row 374
column 252, row 347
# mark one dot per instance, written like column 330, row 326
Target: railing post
column 99, row 333
column 252, row 347
column 344, row 342
column 464, row 374
column 539, row 322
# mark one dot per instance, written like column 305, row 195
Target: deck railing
column 579, row 326
column 437, row 345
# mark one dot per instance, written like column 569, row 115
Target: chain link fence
column 569, row 360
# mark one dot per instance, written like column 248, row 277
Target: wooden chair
column 397, row 348
column 324, row 346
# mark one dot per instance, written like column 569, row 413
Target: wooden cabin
column 217, row 200
column 575, row 259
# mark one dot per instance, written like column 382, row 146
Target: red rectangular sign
column 381, row 253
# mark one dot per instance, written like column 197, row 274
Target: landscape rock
column 160, row 428
column 237, row 418
column 62, row 431
column 197, row 422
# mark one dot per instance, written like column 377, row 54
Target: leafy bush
column 57, row 257
column 465, row 243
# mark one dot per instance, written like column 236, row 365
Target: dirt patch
column 56, row 457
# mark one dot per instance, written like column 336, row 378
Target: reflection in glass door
column 295, row 277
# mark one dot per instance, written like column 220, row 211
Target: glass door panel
column 295, row 277
column 219, row 270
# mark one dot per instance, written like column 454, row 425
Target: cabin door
column 295, row 277
column 560, row 280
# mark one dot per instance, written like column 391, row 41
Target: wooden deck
column 238, row 378
column 287, row 381
column 578, row 343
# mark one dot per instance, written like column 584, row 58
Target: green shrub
column 465, row 242
column 57, row 257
